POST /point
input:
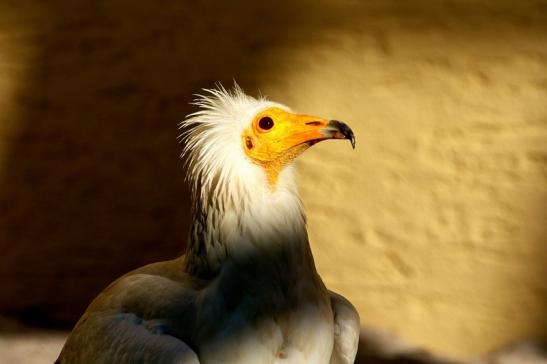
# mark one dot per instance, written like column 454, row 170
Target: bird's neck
column 250, row 225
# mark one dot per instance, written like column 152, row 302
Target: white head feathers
column 212, row 140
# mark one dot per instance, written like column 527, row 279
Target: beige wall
column 435, row 226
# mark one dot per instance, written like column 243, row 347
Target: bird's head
column 237, row 139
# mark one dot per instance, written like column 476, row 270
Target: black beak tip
column 345, row 130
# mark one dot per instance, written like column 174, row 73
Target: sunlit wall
column 436, row 226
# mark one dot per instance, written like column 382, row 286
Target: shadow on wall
column 92, row 185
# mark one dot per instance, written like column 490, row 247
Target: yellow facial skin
column 289, row 135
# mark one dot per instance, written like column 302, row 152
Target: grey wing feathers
column 142, row 317
column 124, row 338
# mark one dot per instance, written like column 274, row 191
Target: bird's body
column 247, row 290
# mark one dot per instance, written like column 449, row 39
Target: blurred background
column 435, row 227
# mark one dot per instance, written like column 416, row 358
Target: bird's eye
column 266, row 123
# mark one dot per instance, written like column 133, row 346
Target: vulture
column 247, row 289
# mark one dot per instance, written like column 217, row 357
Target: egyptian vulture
column 247, row 290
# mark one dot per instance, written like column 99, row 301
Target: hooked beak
column 338, row 130
column 311, row 130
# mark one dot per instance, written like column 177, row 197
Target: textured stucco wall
column 435, row 226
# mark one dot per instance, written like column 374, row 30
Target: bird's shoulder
column 144, row 316
column 153, row 285
column 346, row 329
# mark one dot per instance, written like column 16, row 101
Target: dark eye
column 266, row 123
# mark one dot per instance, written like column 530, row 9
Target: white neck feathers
column 235, row 212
